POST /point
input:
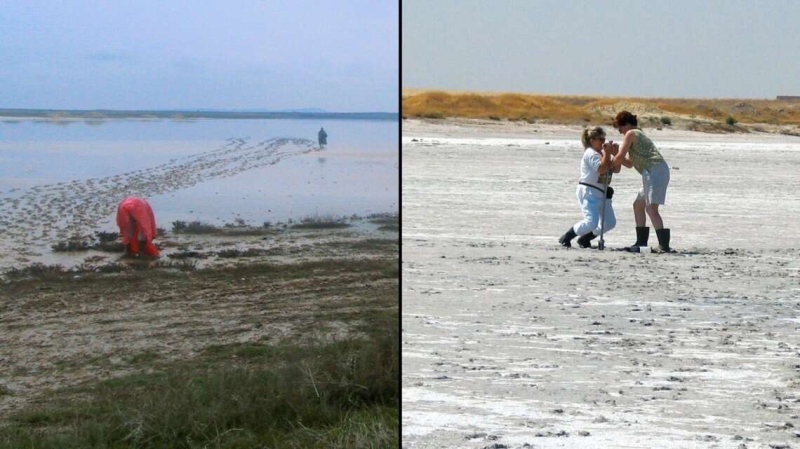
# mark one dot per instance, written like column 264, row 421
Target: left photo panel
column 200, row 224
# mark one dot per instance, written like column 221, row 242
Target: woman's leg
column 133, row 246
column 639, row 207
column 655, row 216
column 589, row 228
column 609, row 220
column 591, row 216
column 656, row 180
column 590, row 206
column 640, row 216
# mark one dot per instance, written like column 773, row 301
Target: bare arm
column 627, row 143
column 616, row 168
column 606, row 161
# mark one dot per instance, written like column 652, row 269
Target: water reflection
column 358, row 173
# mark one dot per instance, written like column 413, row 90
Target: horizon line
column 196, row 110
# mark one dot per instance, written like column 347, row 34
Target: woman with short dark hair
column 639, row 151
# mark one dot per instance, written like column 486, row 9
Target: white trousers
column 591, row 201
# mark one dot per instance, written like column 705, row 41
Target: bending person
column 593, row 190
column 137, row 225
column 638, row 150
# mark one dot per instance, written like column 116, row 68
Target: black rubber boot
column 585, row 241
column 642, row 235
column 663, row 241
column 567, row 238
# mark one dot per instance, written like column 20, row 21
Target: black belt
column 592, row 186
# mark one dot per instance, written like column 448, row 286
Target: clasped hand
column 611, row 148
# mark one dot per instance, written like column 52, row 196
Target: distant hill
column 699, row 114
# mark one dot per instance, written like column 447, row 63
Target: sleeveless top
column 644, row 153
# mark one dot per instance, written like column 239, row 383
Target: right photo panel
column 598, row 208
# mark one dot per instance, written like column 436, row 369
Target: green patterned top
column 644, row 153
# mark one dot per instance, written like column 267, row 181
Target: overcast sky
column 341, row 56
column 675, row 48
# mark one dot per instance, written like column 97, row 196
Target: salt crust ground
column 512, row 341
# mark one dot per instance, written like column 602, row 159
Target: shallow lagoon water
column 357, row 173
column 60, row 180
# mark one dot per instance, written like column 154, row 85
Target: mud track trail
column 35, row 218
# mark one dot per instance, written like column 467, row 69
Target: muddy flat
column 510, row 340
column 120, row 315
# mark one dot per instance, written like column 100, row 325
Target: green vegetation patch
column 37, row 270
column 188, row 255
column 70, row 245
column 344, row 394
column 386, row 222
column 249, row 252
column 229, row 230
column 368, row 245
column 194, row 227
column 146, row 272
column 101, row 241
column 322, row 222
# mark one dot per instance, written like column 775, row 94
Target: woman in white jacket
column 593, row 189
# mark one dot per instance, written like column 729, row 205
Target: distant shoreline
column 103, row 114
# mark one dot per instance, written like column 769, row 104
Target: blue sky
column 341, row 56
column 676, row 48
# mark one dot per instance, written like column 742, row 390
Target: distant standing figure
column 323, row 137
column 137, row 225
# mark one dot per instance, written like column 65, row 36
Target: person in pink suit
column 137, row 225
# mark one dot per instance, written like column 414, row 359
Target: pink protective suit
column 136, row 222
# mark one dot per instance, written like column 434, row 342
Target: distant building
column 788, row 97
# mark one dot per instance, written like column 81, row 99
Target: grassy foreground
column 575, row 109
column 339, row 395
column 305, row 390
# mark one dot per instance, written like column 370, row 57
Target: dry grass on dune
column 697, row 112
column 437, row 104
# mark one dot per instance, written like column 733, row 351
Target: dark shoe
column 567, row 238
column 663, row 241
column 642, row 236
column 585, row 241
